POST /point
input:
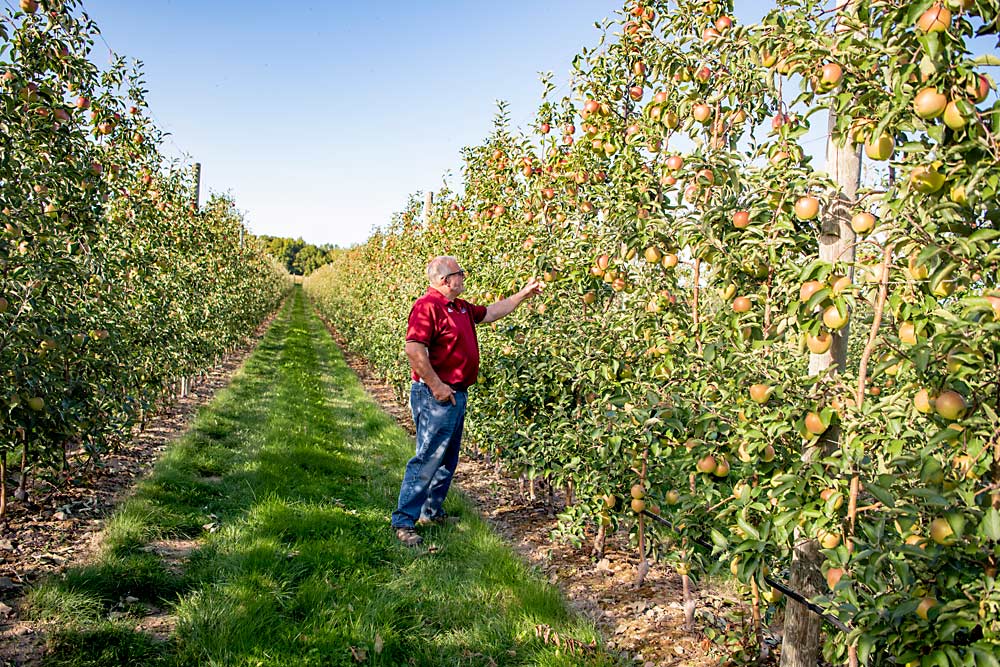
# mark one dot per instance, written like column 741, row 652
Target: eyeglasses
column 460, row 272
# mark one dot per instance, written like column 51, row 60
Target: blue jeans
column 428, row 474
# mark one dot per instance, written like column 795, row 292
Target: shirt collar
column 437, row 295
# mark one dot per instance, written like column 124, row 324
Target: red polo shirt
column 448, row 329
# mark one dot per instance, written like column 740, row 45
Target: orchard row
column 794, row 363
column 113, row 283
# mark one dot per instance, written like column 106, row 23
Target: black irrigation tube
column 814, row 608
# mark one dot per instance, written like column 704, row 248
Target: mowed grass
column 286, row 483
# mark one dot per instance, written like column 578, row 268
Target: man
column 443, row 350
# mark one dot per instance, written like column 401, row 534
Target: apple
column 827, row 539
column 830, row 76
column 958, row 195
column 660, row 97
column 881, row 148
column 638, row 505
column 916, row 271
column 925, row 606
column 638, row 491
column 675, row 162
column 929, row 103
column 833, row 576
column 935, row 19
column 723, row 23
column 951, row 405
column 672, row 497
column 809, row 288
column 603, row 261
column 652, row 254
column 839, row 284
column 29, row 6
column 833, row 319
column 703, row 74
column 863, row 222
column 635, row 92
column 926, row 179
column 953, row 116
column 36, row 403
column 545, row 128
column 944, row 288
column 590, row 106
column 741, row 219
column 701, row 112
column 760, row 393
column 707, row 464
column 741, row 304
column 670, row 120
column 941, row 532
column 669, row 260
column 807, row 208
column 814, row 424
column 907, row 333
column 993, row 300
column 979, row 88
column 923, row 402
column 838, row 498
column 721, row 467
column 820, row 343
column 772, row 596
column 589, row 298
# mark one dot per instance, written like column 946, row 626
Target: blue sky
column 321, row 118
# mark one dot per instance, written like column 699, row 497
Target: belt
column 454, row 387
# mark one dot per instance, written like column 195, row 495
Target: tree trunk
column 3, row 484
column 21, row 493
column 801, row 644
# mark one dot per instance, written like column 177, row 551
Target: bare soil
column 59, row 527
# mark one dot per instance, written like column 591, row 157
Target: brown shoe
column 409, row 537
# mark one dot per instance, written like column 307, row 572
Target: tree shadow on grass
column 299, row 565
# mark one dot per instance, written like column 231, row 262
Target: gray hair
column 438, row 267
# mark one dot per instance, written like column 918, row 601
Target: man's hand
column 503, row 308
column 533, row 288
column 420, row 362
column 443, row 393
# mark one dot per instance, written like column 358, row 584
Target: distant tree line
column 299, row 257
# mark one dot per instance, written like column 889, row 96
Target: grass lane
column 287, row 481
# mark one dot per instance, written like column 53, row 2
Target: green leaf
column 986, row 60
column 747, row 528
column 881, row 494
column 990, row 525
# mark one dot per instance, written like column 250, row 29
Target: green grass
column 296, row 471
